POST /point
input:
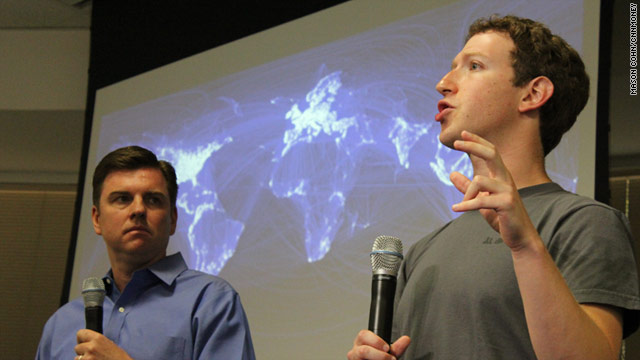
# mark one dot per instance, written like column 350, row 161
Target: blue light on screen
column 320, row 133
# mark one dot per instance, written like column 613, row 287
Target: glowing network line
column 321, row 136
column 316, row 163
column 213, row 235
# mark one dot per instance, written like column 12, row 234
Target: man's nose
column 447, row 83
column 138, row 209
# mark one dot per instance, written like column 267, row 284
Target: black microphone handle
column 383, row 291
column 93, row 318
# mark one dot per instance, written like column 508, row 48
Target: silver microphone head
column 386, row 255
column 93, row 292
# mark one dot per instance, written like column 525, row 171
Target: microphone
column 386, row 256
column 93, row 294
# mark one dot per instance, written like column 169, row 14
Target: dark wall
column 133, row 36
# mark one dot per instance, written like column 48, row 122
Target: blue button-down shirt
column 165, row 312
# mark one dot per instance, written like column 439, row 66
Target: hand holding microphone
column 386, row 257
column 92, row 345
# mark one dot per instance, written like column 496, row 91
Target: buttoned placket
column 124, row 302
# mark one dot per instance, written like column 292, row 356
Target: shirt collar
column 539, row 189
column 167, row 270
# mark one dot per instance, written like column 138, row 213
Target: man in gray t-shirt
column 529, row 271
column 457, row 290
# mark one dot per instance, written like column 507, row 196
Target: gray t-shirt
column 457, row 295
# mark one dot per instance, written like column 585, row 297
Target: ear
column 174, row 219
column 536, row 93
column 95, row 214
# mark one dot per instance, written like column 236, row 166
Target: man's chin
column 144, row 254
column 447, row 140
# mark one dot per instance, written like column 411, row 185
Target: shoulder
column 197, row 278
column 173, row 271
column 205, row 288
column 552, row 195
column 59, row 332
column 212, row 297
column 68, row 313
column 548, row 203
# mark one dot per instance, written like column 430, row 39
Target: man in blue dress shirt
column 155, row 308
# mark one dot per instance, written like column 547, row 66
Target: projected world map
column 310, row 149
column 315, row 163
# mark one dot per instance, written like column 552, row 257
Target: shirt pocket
column 158, row 348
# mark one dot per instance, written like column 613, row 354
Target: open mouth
column 443, row 105
column 443, row 108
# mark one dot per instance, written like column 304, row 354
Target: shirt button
column 121, row 309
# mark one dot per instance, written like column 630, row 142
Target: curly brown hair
column 538, row 52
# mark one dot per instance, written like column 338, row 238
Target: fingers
column 369, row 346
column 366, row 337
column 85, row 335
column 471, row 189
column 398, row 347
column 484, row 148
column 484, row 193
column 459, row 181
column 93, row 345
column 480, row 192
column 475, row 145
column 80, row 350
column 84, row 347
column 364, row 352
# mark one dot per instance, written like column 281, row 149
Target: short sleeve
column 594, row 250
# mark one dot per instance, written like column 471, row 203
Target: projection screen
column 297, row 146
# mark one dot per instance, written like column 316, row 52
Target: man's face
column 135, row 217
column 479, row 95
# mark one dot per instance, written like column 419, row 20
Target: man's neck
column 121, row 278
column 123, row 270
column 525, row 165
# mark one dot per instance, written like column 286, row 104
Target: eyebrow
column 468, row 55
column 116, row 193
column 146, row 193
